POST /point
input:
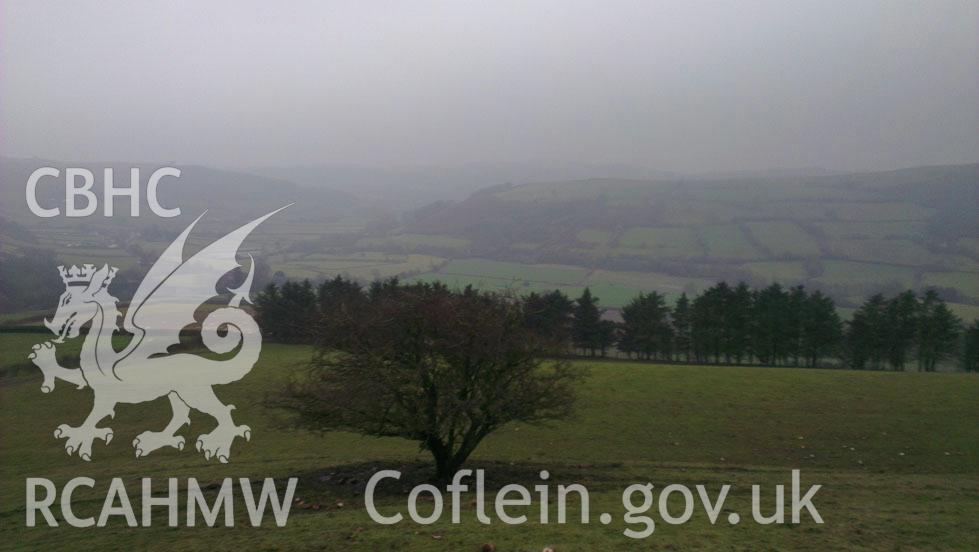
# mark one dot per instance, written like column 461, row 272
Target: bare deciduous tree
column 439, row 367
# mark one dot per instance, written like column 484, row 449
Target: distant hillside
column 847, row 233
column 408, row 187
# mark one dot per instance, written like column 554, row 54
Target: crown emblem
column 75, row 275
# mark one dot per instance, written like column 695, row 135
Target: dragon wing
column 173, row 290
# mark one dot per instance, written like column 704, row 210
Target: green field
column 414, row 242
column 662, row 242
column 778, row 271
column 882, row 211
column 873, row 230
column 791, row 210
column 729, row 242
column 614, row 288
column 487, row 283
column 848, row 273
column 970, row 245
column 366, row 266
column 967, row 313
column 900, row 252
column 896, row 453
column 610, row 294
column 966, row 282
column 496, row 270
column 597, row 237
column 784, row 239
column 703, row 211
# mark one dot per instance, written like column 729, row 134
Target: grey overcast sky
column 680, row 85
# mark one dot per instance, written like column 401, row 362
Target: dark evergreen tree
column 795, row 311
column 586, row 332
column 702, row 332
column 866, row 334
column 339, row 293
column 970, row 348
column 606, row 336
column 271, row 315
column 708, row 321
column 822, row 330
column 900, row 328
column 301, row 311
column 938, row 332
column 771, row 325
column 736, row 328
column 646, row 329
column 380, row 288
column 287, row 313
column 682, row 338
column 549, row 315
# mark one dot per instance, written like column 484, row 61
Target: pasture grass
column 856, row 273
column 728, row 241
column 966, row 282
column 597, row 237
column 499, row 270
column 901, row 252
column 969, row 245
column 413, row 242
column 873, row 230
column 366, row 266
column 784, row 272
column 667, row 242
column 896, row 453
column 882, row 211
column 784, row 239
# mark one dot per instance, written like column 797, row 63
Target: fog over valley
column 684, row 87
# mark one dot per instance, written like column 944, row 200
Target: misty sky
column 678, row 86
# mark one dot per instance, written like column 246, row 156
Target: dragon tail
column 240, row 331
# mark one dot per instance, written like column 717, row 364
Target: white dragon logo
column 164, row 303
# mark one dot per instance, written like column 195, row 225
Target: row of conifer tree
column 724, row 324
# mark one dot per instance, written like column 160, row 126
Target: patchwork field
column 497, row 270
column 663, row 242
column 872, row 230
column 729, row 242
column 413, row 242
column 597, row 237
column 778, row 271
column 784, row 239
column 967, row 282
column 900, row 252
column 968, row 313
column 614, row 288
column 894, row 452
column 970, row 245
column 858, row 233
column 366, row 266
column 882, row 211
column 854, row 273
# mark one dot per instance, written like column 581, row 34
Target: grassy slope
column 898, row 456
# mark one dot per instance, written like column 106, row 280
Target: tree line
column 724, row 324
